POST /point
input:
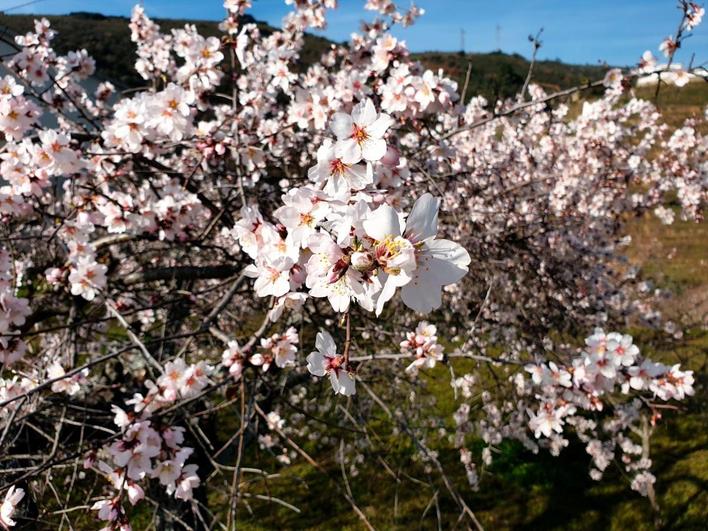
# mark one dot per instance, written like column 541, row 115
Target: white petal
column 346, row 384
column 288, row 216
column 360, row 175
column 325, row 344
column 422, row 223
column 342, row 125
column 386, row 294
column 364, row 113
column 379, row 127
column 315, row 364
column 382, row 222
column 442, row 263
column 451, row 252
column 373, row 149
column 348, row 150
column 335, row 382
column 326, row 151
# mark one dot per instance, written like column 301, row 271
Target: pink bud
column 392, row 157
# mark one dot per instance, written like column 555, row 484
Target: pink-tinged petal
column 382, row 222
column 422, row 223
column 288, row 216
column 342, row 125
column 373, row 149
column 364, row 113
column 349, row 151
column 379, row 127
column 315, row 364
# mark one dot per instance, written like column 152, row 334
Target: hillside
column 499, row 75
column 108, row 40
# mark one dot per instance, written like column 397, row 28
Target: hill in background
column 107, row 39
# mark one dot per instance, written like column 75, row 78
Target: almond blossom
column 326, row 362
column 12, row 498
column 360, row 135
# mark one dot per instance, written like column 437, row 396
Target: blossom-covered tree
column 359, row 194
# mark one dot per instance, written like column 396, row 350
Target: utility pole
column 462, row 40
column 498, row 37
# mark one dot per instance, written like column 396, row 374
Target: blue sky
column 575, row 31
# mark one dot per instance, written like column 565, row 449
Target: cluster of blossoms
column 148, row 448
column 14, row 311
column 345, row 243
column 610, row 363
column 423, row 344
column 604, row 395
column 278, row 350
column 357, row 193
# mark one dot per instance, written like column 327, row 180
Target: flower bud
column 362, row 261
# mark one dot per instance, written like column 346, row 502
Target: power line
column 21, row 5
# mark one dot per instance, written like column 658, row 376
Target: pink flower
column 360, row 135
column 325, row 361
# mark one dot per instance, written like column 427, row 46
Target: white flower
column 70, row 385
column 302, row 211
column 272, row 278
column 438, row 262
column 87, row 277
column 187, row 482
column 339, row 178
column 7, row 509
column 681, row 78
column 326, row 361
column 360, row 135
column 613, row 78
column 546, row 421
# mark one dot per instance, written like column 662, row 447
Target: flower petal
column 342, row 125
column 348, row 150
column 422, row 223
column 325, row 344
column 373, row 149
column 382, row 222
column 378, row 128
column 364, row 113
column 315, row 364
